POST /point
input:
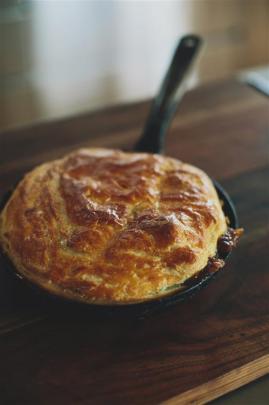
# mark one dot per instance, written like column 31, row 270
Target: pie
column 104, row 226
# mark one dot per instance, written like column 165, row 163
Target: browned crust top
column 106, row 226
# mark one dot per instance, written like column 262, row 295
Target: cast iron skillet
column 151, row 140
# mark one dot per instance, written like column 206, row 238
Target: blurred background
column 62, row 58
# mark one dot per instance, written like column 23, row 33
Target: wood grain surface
column 194, row 351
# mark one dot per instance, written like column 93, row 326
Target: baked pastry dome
column 108, row 227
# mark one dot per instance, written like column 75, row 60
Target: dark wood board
column 189, row 353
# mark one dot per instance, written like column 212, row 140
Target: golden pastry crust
column 103, row 226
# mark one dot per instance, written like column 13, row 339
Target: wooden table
column 198, row 350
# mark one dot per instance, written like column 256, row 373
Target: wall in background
column 64, row 57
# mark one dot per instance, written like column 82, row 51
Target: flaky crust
column 104, row 226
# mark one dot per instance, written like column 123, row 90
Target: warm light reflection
column 64, row 57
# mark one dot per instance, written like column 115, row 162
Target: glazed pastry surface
column 108, row 227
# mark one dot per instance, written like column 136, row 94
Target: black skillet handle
column 172, row 89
